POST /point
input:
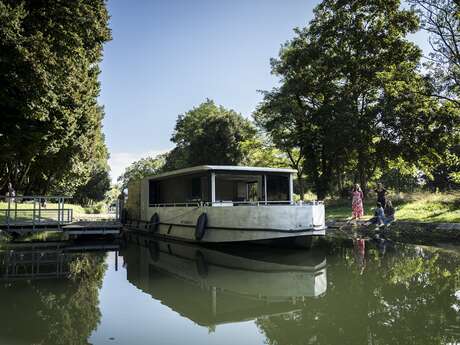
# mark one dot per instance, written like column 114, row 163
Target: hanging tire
column 154, row 222
column 200, row 228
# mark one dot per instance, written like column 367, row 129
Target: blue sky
column 168, row 56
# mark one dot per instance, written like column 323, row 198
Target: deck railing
column 236, row 203
column 32, row 211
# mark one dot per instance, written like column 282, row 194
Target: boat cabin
column 221, row 186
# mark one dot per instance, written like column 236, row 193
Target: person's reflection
column 359, row 245
column 382, row 244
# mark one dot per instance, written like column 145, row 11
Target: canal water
column 147, row 292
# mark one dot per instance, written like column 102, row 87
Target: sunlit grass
column 421, row 207
column 24, row 210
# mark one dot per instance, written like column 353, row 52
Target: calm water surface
column 148, row 292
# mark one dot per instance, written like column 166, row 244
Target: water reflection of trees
column 403, row 297
column 58, row 311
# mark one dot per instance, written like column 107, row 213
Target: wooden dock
column 93, row 228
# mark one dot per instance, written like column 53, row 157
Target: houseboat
column 223, row 204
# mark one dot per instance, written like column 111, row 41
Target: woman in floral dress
column 357, row 210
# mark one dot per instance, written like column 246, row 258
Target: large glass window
column 278, row 188
column 239, row 188
column 179, row 189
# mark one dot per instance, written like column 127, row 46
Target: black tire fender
column 200, row 228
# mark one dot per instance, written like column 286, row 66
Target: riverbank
column 415, row 207
column 405, row 232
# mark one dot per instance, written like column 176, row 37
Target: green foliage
column 209, row 134
column 95, row 189
column 441, row 19
column 259, row 152
column 50, row 133
column 141, row 168
column 352, row 99
column 379, row 297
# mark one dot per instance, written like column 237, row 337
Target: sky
column 167, row 56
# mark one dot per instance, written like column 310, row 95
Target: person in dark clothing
column 381, row 195
column 379, row 216
column 389, row 211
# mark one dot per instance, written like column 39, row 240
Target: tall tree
column 144, row 167
column 51, row 123
column 350, row 92
column 441, row 19
column 209, row 134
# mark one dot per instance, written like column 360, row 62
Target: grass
column 419, row 207
column 26, row 213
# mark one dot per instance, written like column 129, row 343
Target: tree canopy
column 209, row 134
column 51, row 129
column 352, row 98
column 141, row 168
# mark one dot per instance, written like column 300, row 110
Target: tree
column 351, row 94
column 142, row 168
column 51, row 128
column 209, row 134
column 441, row 19
column 95, row 189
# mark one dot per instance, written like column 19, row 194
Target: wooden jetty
column 28, row 214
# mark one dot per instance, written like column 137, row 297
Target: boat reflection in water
column 217, row 285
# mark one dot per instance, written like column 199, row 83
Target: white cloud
column 119, row 161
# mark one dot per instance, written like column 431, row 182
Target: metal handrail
column 237, row 203
column 35, row 214
column 35, row 197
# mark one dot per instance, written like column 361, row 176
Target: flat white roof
column 200, row 168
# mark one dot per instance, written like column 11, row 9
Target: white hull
column 235, row 223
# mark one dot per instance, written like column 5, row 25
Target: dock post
column 59, row 211
column 63, row 208
column 8, row 213
column 33, row 216
column 39, row 210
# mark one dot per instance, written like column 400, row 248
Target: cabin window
column 196, row 188
column 277, row 188
column 153, row 191
column 238, row 188
column 179, row 190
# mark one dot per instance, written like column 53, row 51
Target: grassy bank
column 78, row 211
column 419, row 207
